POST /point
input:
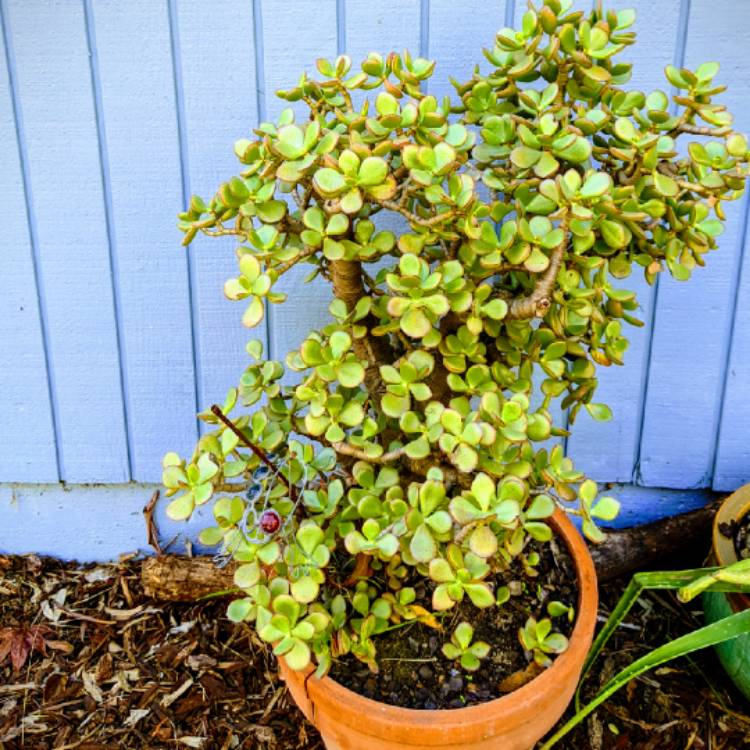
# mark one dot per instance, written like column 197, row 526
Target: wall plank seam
column 340, row 27
column 260, row 106
column 179, row 99
column 114, row 270
column 23, row 158
column 510, row 13
column 424, row 28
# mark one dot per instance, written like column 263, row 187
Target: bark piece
column 173, row 578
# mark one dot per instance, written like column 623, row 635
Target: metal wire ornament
column 258, row 504
column 256, row 511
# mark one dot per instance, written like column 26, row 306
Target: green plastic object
column 735, row 654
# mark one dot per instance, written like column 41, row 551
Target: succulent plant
column 539, row 638
column 461, row 648
column 413, row 450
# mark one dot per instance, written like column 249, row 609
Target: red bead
column 270, row 521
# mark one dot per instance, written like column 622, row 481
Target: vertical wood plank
column 732, row 467
column 27, row 435
column 693, row 321
column 607, row 451
column 732, row 462
column 390, row 26
column 310, row 28
column 458, row 32
column 55, row 98
column 138, row 102
column 218, row 110
column 383, row 27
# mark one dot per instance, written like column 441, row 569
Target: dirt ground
column 88, row 662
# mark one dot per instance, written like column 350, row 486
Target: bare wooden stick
column 152, row 532
column 217, row 412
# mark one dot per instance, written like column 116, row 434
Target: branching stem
column 536, row 304
column 259, row 452
column 349, row 450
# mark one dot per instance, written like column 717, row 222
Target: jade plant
column 476, row 248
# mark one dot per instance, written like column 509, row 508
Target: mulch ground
column 88, row 662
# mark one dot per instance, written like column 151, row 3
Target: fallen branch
column 655, row 544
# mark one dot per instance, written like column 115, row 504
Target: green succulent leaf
column 328, row 181
column 422, row 546
column 600, row 412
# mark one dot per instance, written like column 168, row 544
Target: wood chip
column 181, row 673
column 168, row 700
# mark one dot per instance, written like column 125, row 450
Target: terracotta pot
column 349, row 721
column 735, row 654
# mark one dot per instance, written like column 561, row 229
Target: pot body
column 734, row 655
column 349, row 721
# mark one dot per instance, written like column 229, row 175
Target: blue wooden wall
column 111, row 336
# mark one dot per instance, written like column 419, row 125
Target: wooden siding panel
column 138, row 101
column 89, row 523
column 138, row 332
column 27, row 435
column 607, row 451
column 458, row 32
column 693, row 320
column 218, row 110
column 310, row 29
column 383, row 27
column 732, row 467
column 59, row 121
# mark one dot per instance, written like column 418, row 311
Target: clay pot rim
column 734, row 508
column 499, row 709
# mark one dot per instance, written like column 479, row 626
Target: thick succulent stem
column 348, row 286
column 343, row 449
column 347, row 281
column 438, row 379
